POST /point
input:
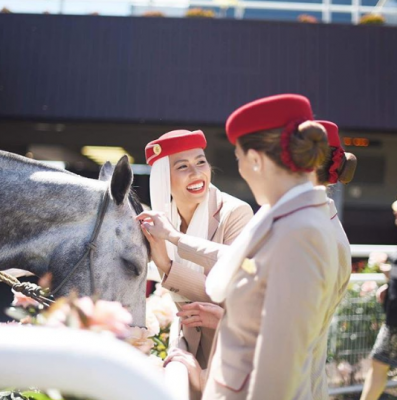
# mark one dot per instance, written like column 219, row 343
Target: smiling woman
column 181, row 190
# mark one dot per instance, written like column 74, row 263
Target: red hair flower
column 285, row 139
column 337, row 157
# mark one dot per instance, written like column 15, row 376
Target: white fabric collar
column 294, row 192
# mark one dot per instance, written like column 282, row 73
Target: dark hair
column 308, row 145
column 345, row 171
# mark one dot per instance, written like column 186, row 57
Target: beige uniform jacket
column 227, row 218
column 275, row 311
column 319, row 378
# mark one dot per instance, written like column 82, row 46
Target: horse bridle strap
column 91, row 246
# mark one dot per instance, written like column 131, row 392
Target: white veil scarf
column 160, row 196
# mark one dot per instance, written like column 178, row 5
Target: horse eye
column 131, row 267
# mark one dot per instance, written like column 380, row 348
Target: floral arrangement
column 199, row 13
column 82, row 313
column 372, row 19
column 160, row 312
column 307, row 18
column 103, row 317
column 376, row 263
column 153, row 14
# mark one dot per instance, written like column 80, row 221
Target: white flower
column 139, row 338
column 152, row 323
column 162, row 306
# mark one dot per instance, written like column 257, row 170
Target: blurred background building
column 79, row 89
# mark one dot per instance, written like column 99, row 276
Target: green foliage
column 161, row 343
column 33, row 395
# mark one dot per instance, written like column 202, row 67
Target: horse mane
column 137, row 206
column 134, row 200
column 16, row 158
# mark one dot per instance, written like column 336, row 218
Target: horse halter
column 91, row 246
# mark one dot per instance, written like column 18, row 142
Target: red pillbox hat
column 332, row 133
column 174, row 142
column 268, row 113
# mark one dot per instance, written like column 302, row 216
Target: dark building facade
column 69, row 81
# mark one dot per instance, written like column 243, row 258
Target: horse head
column 48, row 219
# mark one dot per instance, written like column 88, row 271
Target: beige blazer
column 318, row 375
column 277, row 305
column 227, row 218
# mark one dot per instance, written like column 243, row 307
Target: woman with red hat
column 277, row 278
column 339, row 166
column 180, row 187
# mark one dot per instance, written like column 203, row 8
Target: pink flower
column 139, row 338
column 59, row 315
column 20, row 300
column 368, row 287
column 105, row 315
column 83, row 313
column 377, row 258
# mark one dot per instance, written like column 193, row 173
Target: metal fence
column 354, row 328
column 353, row 331
column 238, row 8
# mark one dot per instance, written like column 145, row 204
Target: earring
column 255, row 168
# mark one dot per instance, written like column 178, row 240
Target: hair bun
column 309, row 145
column 348, row 168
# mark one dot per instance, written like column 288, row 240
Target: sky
column 104, row 7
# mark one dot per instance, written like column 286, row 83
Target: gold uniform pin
column 249, row 266
column 157, row 149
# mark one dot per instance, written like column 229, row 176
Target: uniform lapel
column 312, row 198
column 214, row 205
column 333, row 212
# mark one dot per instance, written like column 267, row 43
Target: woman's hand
column 195, row 314
column 158, row 226
column 189, row 361
column 158, row 252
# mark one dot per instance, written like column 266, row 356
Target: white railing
column 176, row 374
column 355, row 389
column 78, row 363
column 178, row 7
column 364, row 250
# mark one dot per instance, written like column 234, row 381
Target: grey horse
column 47, row 219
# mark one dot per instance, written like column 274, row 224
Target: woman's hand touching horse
column 159, row 226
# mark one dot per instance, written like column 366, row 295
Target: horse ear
column 121, row 180
column 106, row 172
